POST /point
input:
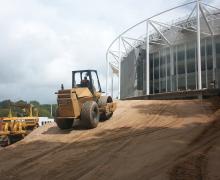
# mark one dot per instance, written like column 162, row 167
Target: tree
column 35, row 103
column 6, row 103
column 4, row 112
column 18, row 108
column 20, row 103
column 44, row 112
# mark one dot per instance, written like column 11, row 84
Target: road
column 144, row 139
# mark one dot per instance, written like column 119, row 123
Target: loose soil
column 144, row 139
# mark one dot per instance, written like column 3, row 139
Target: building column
column 214, row 59
column 199, row 47
column 159, row 74
column 177, row 75
column 119, row 69
column 147, row 60
column 107, row 74
column 185, row 59
column 171, row 69
column 206, row 70
column 153, row 73
column 166, row 67
column 112, row 82
column 196, row 71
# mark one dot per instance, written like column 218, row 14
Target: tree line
column 15, row 108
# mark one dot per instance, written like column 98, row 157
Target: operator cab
column 86, row 78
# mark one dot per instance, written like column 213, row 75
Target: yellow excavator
column 13, row 128
column 83, row 101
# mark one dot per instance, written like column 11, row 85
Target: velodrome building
column 158, row 57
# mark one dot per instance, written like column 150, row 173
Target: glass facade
column 185, row 66
column 172, row 68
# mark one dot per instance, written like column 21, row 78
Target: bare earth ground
column 143, row 140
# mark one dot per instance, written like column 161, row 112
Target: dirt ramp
column 142, row 140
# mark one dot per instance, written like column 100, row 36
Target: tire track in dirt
column 137, row 127
column 28, row 163
column 127, row 138
column 192, row 163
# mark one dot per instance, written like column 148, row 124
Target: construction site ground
column 144, row 139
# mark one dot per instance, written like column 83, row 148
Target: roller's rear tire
column 64, row 123
column 90, row 114
column 103, row 102
column 105, row 116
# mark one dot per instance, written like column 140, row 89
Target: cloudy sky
column 42, row 41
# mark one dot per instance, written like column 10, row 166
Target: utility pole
column 51, row 110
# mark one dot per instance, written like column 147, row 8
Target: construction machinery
column 84, row 101
column 13, row 129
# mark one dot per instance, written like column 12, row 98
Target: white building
column 45, row 120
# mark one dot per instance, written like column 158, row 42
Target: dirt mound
column 176, row 139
